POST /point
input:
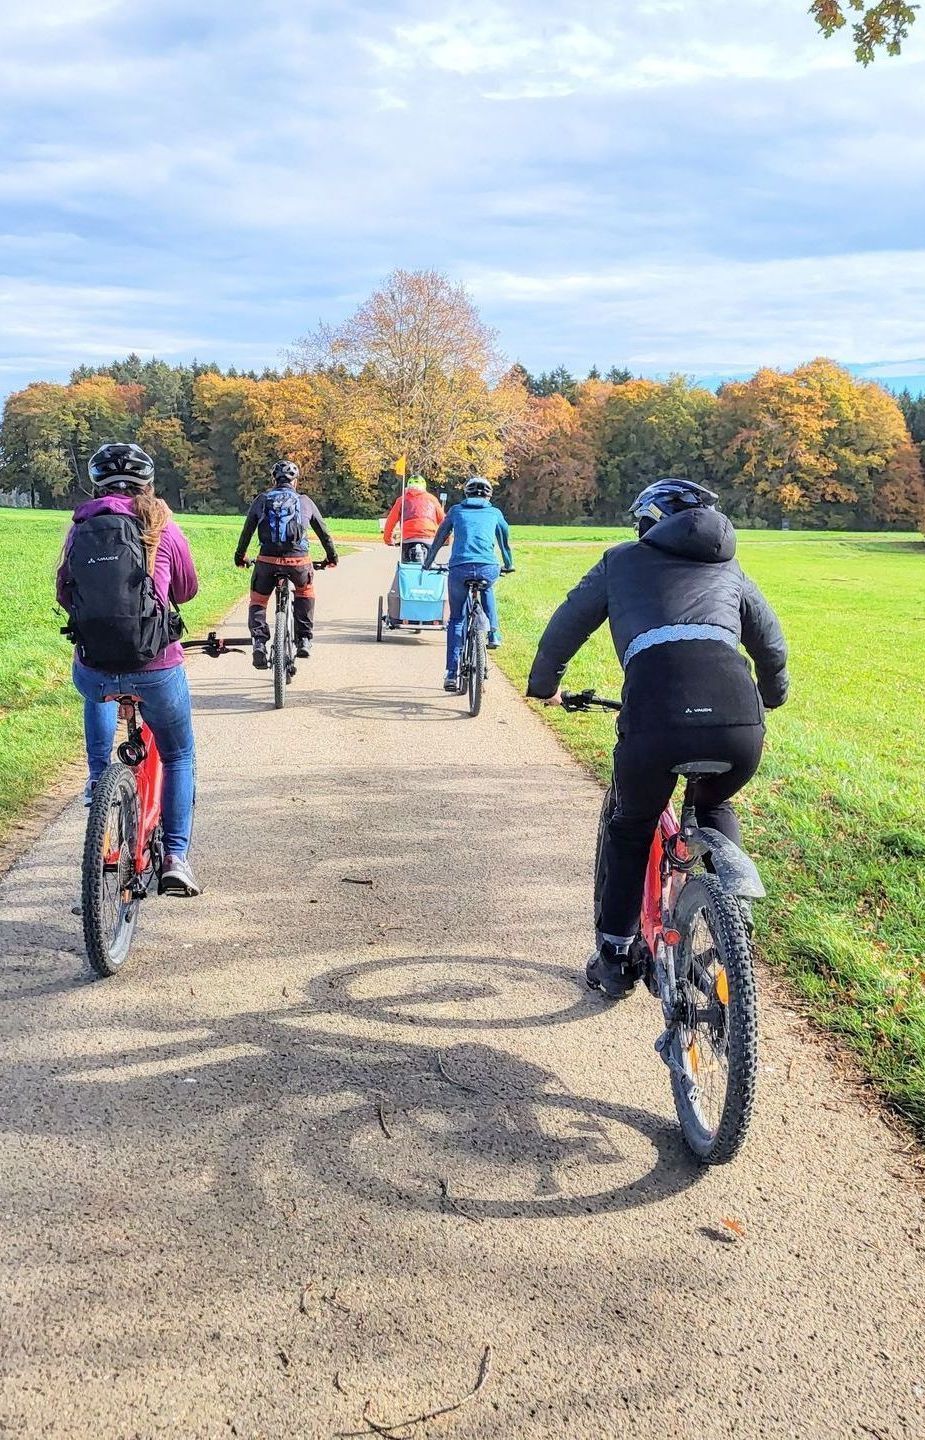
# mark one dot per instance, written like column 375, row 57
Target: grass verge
column 40, row 715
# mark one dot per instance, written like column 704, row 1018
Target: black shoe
column 259, row 658
column 451, row 683
column 613, row 971
column 303, row 649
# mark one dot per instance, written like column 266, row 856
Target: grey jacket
column 683, row 572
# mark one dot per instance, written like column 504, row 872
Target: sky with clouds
column 701, row 185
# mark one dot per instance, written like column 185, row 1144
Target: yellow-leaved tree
column 414, row 372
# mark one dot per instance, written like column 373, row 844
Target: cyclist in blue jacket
column 477, row 527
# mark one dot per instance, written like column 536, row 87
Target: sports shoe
column 613, row 971
column 494, row 639
column 450, row 682
column 88, row 793
column 259, row 657
column 177, row 877
column 303, row 649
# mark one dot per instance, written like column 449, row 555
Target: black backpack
column 280, row 527
column 116, row 620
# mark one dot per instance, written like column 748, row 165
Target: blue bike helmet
column 669, row 497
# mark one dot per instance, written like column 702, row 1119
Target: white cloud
column 722, row 314
column 193, row 175
column 538, row 53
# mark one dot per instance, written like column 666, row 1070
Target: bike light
column 672, row 937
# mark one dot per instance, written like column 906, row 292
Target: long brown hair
column 154, row 515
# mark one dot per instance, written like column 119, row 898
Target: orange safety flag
column 401, row 465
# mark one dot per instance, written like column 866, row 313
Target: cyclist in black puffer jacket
column 679, row 606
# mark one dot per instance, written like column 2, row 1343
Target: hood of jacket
column 103, row 504
column 701, row 534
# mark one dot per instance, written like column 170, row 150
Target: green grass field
column 836, row 816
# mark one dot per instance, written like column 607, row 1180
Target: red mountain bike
column 124, row 845
column 695, row 941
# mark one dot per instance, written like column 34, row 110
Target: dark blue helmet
column 669, row 497
column 284, row 472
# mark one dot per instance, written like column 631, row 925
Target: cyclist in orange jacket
column 420, row 516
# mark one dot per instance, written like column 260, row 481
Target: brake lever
column 573, row 701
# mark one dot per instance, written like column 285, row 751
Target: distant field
column 836, row 817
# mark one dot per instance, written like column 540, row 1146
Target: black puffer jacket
column 682, row 572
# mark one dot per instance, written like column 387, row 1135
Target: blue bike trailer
column 417, row 599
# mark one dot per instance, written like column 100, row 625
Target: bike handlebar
column 315, row 564
column 216, row 645
column 581, row 701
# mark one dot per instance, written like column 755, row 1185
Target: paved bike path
column 325, row 1140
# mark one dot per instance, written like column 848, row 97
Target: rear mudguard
column 732, row 867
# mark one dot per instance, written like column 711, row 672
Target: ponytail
column 153, row 515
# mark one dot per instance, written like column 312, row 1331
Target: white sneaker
column 177, row 877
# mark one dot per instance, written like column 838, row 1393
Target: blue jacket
column 476, row 525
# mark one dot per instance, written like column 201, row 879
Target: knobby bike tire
column 727, row 927
column 280, row 656
column 476, row 670
column 107, row 935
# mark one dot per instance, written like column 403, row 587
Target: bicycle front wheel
column 280, row 656
column 476, row 670
column 110, row 909
column 714, row 1063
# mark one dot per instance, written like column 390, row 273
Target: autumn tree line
column 415, row 372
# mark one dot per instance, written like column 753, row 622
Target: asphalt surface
column 324, row 1141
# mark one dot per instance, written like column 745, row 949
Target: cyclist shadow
column 384, row 704
column 472, row 1129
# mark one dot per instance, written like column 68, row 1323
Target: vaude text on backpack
column 116, row 620
column 280, row 528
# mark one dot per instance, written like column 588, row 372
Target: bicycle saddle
column 477, row 584
column 692, row 768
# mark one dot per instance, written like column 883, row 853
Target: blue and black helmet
column 669, row 497
column 477, row 487
column 285, row 472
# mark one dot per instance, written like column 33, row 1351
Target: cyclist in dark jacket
column 678, row 606
column 285, row 556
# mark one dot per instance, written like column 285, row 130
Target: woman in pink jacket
column 123, row 479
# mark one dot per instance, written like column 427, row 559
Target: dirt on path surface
column 351, row 1118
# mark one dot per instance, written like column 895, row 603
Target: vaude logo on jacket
column 99, row 559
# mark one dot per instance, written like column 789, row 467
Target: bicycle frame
column 661, row 877
column 140, row 753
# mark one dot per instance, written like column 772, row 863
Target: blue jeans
column 457, row 578
column 165, row 706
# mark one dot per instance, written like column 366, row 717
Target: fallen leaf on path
column 736, row 1227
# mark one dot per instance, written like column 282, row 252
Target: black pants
column 643, row 784
column 414, row 551
column 263, row 584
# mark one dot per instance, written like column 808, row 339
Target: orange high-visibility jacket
column 423, row 515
